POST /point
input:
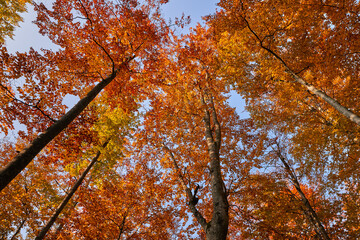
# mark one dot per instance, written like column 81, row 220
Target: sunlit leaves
column 153, row 115
column 10, row 11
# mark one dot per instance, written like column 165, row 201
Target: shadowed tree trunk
column 19, row 163
column 217, row 227
column 122, row 226
column 52, row 220
column 308, row 210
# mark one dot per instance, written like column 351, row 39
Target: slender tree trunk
column 18, row 229
column 47, row 227
column 308, row 210
column 9, row 172
column 335, row 104
column 122, row 226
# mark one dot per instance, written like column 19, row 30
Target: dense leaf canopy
column 155, row 150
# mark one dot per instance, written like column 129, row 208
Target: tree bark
column 19, row 163
column 47, row 227
column 335, row 104
column 217, row 228
column 18, row 229
column 308, row 210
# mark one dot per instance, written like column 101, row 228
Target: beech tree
column 66, row 200
column 264, row 46
column 184, row 115
column 304, row 39
column 102, row 52
column 180, row 163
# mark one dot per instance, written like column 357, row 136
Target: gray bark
column 217, row 228
column 335, row 104
column 311, row 88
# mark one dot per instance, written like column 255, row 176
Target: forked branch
column 193, row 200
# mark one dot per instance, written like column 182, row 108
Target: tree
column 263, row 46
column 181, row 164
column 66, row 200
column 299, row 44
column 31, row 196
column 197, row 105
column 104, row 56
column 191, row 124
column 308, row 209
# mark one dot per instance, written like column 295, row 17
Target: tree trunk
column 335, row 104
column 47, row 227
column 217, row 228
column 18, row 229
column 308, row 210
column 14, row 167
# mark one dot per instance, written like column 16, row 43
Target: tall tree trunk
column 18, row 229
column 66, row 215
column 217, row 228
column 9, row 172
column 308, row 209
column 51, row 221
column 335, row 104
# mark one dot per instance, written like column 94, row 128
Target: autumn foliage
column 155, row 148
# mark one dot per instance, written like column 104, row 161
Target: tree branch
column 335, row 104
column 309, row 211
column 11, row 95
column 192, row 197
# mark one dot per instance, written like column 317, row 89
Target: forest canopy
column 155, row 149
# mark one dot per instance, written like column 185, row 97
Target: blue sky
column 27, row 35
column 193, row 8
